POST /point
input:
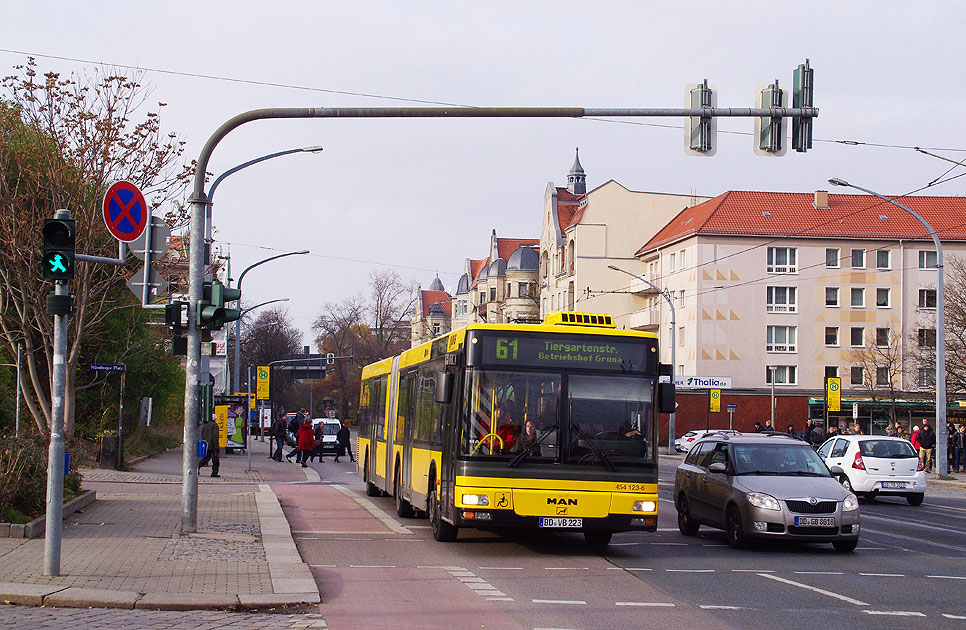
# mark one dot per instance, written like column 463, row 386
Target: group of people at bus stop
column 306, row 439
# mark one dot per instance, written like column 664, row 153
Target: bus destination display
column 615, row 354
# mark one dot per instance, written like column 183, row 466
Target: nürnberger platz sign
column 702, row 382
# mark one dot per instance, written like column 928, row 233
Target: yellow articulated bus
column 550, row 425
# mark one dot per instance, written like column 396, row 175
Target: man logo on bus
column 553, row 501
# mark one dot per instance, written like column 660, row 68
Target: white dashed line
column 499, row 599
column 670, row 544
column 474, row 579
column 712, row 607
column 566, row 568
column 569, row 602
column 752, row 571
column 883, row 574
column 372, row 566
column 689, row 570
column 948, row 616
column 947, row 577
column 501, row 568
column 815, row 589
column 818, row 573
column 895, row 613
column 650, row 604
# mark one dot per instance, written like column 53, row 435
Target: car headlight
column 764, row 501
column 475, row 499
column 850, row 504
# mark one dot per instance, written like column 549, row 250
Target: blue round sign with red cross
column 125, row 211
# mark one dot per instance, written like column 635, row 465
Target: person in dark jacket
column 306, row 441
column 279, row 430
column 342, row 442
column 927, row 445
column 210, row 433
column 959, row 449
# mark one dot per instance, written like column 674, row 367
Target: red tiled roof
column 475, row 266
column 432, row 297
column 793, row 214
column 506, row 246
column 568, row 212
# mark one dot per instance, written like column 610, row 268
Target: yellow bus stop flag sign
column 833, row 394
column 715, row 401
column 261, row 384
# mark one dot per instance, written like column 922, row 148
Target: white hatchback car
column 684, row 443
column 874, row 465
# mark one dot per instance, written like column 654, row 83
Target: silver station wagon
column 760, row 486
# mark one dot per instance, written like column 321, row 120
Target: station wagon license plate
column 893, row 484
column 561, row 522
column 814, row 521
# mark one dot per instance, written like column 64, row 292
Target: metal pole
column 942, row 465
column 19, row 367
column 55, row 458
column 120, row 425
column 772, row 368
column 146, row 288
column 189, row 462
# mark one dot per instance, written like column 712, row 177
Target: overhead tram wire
column 290, row 86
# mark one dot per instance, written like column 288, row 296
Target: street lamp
column 238, row 321
column 941, row 463
column 670, row 303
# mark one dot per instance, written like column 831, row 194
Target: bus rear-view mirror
column 444, row 387
column 665, row 398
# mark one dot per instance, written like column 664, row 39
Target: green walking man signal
column 59, row 243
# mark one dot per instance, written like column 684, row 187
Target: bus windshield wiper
column 513, row 463
column 599, row 453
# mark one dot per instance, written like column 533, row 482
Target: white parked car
column 684, row 443
column 330, row 429
column 876, row 465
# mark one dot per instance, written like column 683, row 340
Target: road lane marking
column 911, row 523
column 372, row 509
column 895, row 613
column 948, row 616
column 436, row 566
column 372, row 566
column 815, row 589
column 947, row 577
column 690, row 570
column 883, row 574
column 323, row 566
column 752, row 571
column 566, row 568
column 502, row 568
column 819, row 572
column 913, row 539
column 712, row 607
column 651, row 604
column 569, row 602
column 674, row 544
column 499, row 599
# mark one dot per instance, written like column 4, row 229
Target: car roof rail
column 722, row 433
column 778, row 434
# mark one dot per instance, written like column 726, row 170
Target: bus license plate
column 561, row 522
column 814, row 521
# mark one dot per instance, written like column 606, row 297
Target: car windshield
column 887, row 449
column 777, row 459
column 330, row 428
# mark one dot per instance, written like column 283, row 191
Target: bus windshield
column 516, row 416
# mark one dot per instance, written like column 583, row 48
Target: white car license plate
column 814, row 521
column 893, row 484
column 561, row 522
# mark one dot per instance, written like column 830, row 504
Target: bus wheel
column 404, row 508
column 598, row 538
column 442, row 531
column 371, row 489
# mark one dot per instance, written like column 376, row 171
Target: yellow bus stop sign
column 715, row 401
column 261, row 384
column 833, row 394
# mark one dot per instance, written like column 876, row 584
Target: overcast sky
column 419, row 196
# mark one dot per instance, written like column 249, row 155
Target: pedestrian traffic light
column 212, row 314
column 58, row 255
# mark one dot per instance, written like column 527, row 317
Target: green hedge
column 23, row 478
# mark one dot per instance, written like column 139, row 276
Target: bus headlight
column 475, row 499
column 644, row 506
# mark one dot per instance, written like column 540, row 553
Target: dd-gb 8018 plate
column 815, row 521
column 561, row 521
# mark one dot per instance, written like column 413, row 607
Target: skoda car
column 761, row 486
column 876, row 465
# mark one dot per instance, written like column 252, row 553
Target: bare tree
column 881, row 363
column 339, row 330
column 923, row 340
column 389, row 302
column 272, row 337
column 63, row 141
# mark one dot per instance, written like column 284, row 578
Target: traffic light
column 770, row 132
column 802, row 97
column 212, row 314
column 330, row 358
column 172, row 316
column 59, row 242
column 700, row 131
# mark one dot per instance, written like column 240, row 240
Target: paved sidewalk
column 126, row 550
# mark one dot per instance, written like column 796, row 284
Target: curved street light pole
column 238, row 321
column 941, row 462
column 670, row 303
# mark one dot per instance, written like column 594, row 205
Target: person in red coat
column 306, row 440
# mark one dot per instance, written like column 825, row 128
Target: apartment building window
column 927, row 377
column 782, row 260
column 482, row 297
column 523, row 288
column 831, row 335
column 671, row 262
column 681, row 335
column 927, row 298
column 882, row 337
column 857, row 297
column 681, row 260
column 781, row 300
column 781, row 339
column 831, row 371
column 784, row 374
column 882, row 376
column 882, row 298
column 927, row 337
column 858, row 259
column 832, row 257
column 508, row 288
column 928, row 259
column 882, row 259
column 435, row 327
column 831, row 296
column 856, row 376
column 492, row 294
column 857, row 337
column 681, row 298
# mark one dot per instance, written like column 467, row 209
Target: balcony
column 646, row 318
column 642, row 288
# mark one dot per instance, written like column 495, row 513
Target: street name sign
column 125, row 211
column 106, row 367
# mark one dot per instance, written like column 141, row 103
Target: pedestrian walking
column 293, row 428
column 342, row 442
column 914, row 438
column 317, row 451
column 306, row 441
column 210, row 433
column 927, row 444
column 893, row 430
column 279, row 431
column 959, row 449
